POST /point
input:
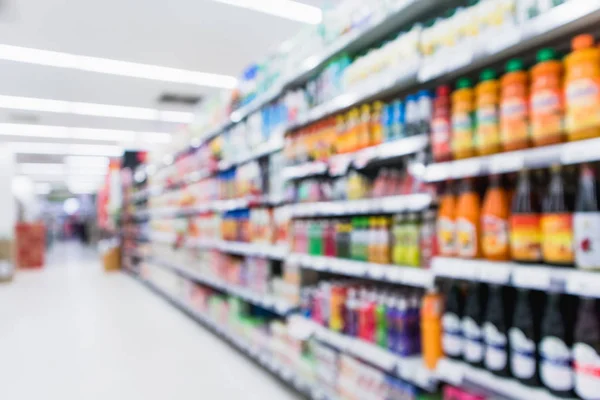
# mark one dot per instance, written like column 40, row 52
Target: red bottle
column 441, row 131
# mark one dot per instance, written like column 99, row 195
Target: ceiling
column 199, row 35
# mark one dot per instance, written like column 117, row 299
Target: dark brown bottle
column 472, row 324
column 586, row 222
column 557, row 223
column 524, row 337
column 586, row 350
column 525, row 223
column 452, row 339
column 495, row 331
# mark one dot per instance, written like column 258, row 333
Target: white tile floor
column 72, row 332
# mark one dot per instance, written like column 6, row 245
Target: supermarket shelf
column 382, row 205
column 457, row 373
column 277, row 306
column 405, row 275
column 539, row 157
column 265, row 149
column 247, row 249
column 411, row 369
column 538, row 277
column 280, row 371
column 339, row 164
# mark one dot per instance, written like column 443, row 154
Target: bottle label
column 466, row 238
column 494, row 235
column 446, row 236
column 452, row 341
column 522, row 360
column 440, row 137
column 587, row 240
column 582, row 104
column 555, row 364
column 487, row 127
column 587, row 371
column 462, row 128
column 473, row 349
column 514, row 121
column 495, row 353
column 557, row 238
column 546, row 113
column 525, row 237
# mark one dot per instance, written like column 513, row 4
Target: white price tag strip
column 450, row 371
column 584, row 283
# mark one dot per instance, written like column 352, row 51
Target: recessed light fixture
column 115, row 67
column 289, row 9
column 93, row 109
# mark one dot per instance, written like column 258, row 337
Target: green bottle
column 381, row 331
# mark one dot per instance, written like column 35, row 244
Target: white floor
column 72, row 332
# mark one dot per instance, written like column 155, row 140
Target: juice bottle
column 446, row 223
column 524, row 337
column 384, row 240
column 586, row 349
column 494, row 222
column 427, row 239
column 399, row 249
column 582, row 89
column 414, row 323
column 390, row 314
column 586, row 222
column 338, row 299
column 556, row 370
column 412, row 231
column 557, row 223
column 376, row 127
column 425, row 112
column 546, row 102
column 373, row 227
column 340, row 129
column 525, row 223
column 495, row 332
column 472, row 324
column 463, row 145
column 431, row 328
column 352, row 130
column 452, row 340
column 467, row 221
column 364, row 127
column 381, row 323
column 487, row 136
column 398, row 120
column 441, row 129
column 403, row 342
column 514, row 107
column 412, row 115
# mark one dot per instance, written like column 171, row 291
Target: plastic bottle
column 463, row 126
column 403, row 341
column 586, row 222
column 425, row 100
column 398, row 120
column 336, row 314
column 412, row 229
column 557, row 223
column 582, row 89
column 428, row 239
column 468, row 221
column 446, row 223
column 431, row 328
column 556, row 370
column 376, row 128
column 525, row 223
column 390, row 313
column 412, row 115
column 364, row 127
column 514, row 107
column 586, row 350
column 546, row 102
column 387, row 117
column 472, row 324
column 452, row 339
column 524, row 337
column 399, row 237
column 495, row 332
column 381, row 323
column 487, row 136
column 441, row 127
column 494, row 222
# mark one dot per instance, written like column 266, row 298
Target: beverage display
column 586, row 221
column 586, row 349
column 525, row 222
column 468, row 224
column 463, row 120
column 487, row 136
column 494, row 222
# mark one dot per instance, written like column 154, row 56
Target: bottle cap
column 463, row 83
column 546, row 54
column 584, row 41
column 487, row 75
column 516, row 64
column 424, row 92
column 443, row 90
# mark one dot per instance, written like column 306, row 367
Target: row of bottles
column 554, row 102
column 404, row 239
column 542, row 340
column 561, row 228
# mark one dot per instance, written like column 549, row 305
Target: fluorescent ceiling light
column 93, row 109
column 60, row 169
column 289, row 9
column 115, row 67
column 67, row 149
column 67, row 132
column 84, row 162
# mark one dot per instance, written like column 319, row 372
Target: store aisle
column 72, row 332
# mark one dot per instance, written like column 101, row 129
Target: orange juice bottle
column 582, row 89
column 546, row 102
column 340, row 129
column 446, row 223
column 487, row 136
column 514, row 107
column 364, row 127
column 432, row 310
column 463, row 145
column 494, row 222
column 376, row 128
column 352, row 129
column 468, row 212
